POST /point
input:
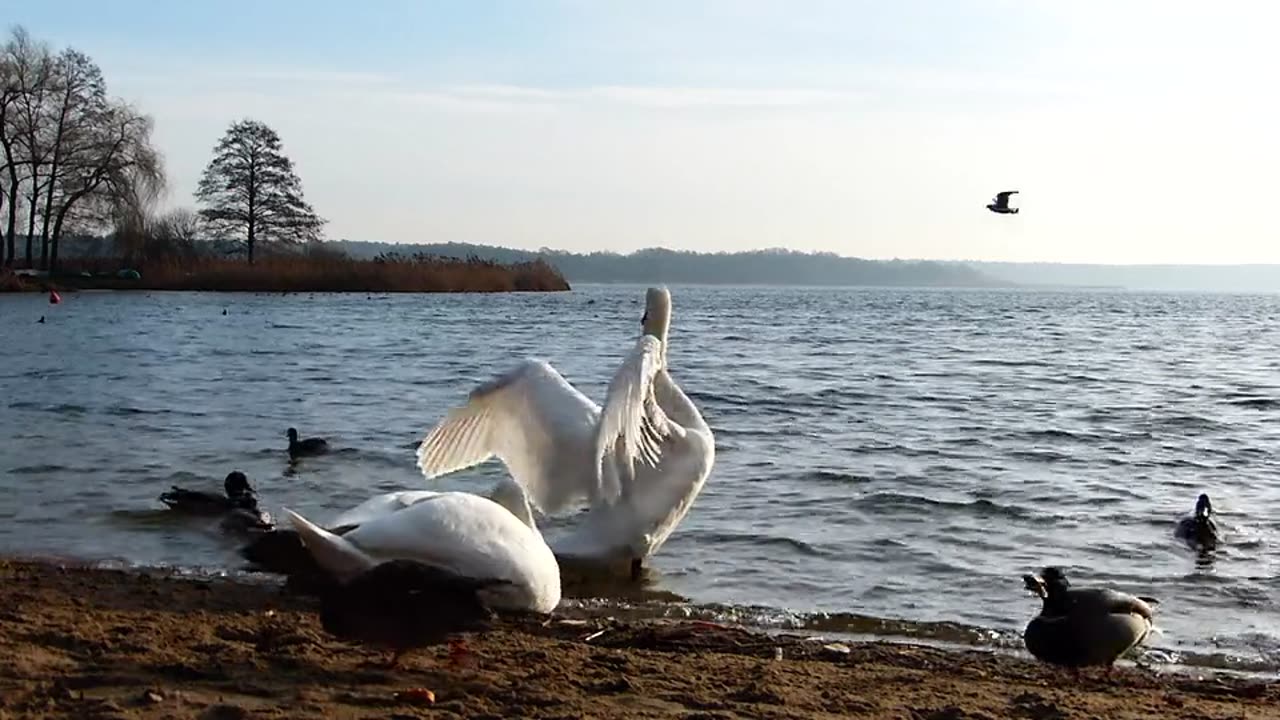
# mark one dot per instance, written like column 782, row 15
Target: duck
column 1079, row 627
column 471, row 535
column 638, row 462
column 303, row 448
column 238, row 505
column 238, row 494
column 1199, row 529
column 403, row 605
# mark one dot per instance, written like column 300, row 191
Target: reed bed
column 300, row 273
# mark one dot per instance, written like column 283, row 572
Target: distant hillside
column 1205, row 278
column 758, row 267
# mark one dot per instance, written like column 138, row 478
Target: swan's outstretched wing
column 1002, row 198
column 531, row 419
column 632, row 426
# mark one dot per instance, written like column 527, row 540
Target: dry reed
column 300, row 273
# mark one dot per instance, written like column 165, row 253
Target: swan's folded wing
column 632, row 426
column 530, row 418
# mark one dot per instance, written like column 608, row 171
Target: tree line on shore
column 78, row 164
column 78, row 160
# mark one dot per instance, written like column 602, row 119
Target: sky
column 1133, row 131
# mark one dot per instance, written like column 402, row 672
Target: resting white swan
column 641, row 460
column 387, row 503
column 467, row 534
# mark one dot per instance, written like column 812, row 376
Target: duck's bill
column 1035, row 584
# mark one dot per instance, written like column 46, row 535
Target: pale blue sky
column 1135, row 131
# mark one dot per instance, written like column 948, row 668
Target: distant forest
column 658, row 265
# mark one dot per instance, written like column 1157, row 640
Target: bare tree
column 25, row 70
column 175, row 233
column 251, row 193
column 76, row 107
column 116, row 172
column 73, row 157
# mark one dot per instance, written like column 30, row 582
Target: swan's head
column 657, row 313
column 1203, row 508
column 511, row 495
column 293, row 435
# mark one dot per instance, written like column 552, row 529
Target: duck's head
column 1203, row 507
column 293, row 435
column 1054, row 580
column 236, row 484
column 511, row 495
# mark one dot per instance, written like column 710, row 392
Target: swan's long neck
column 657, row 316
column 511, row 495
column 675, row 403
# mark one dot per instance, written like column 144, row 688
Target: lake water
column 888, row 461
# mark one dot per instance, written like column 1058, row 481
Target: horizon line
column 811, row 253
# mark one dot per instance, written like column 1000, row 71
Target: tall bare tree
column 251, row 193
column 72, row 156
column 25, row 70
column 76, row 107
column 116, row 171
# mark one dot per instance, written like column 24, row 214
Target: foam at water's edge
column 842, row 626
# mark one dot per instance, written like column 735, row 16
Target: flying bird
column 1001, row 203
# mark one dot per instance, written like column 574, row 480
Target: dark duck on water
column 239, row 503
column 1079, row 627
column 1199, row 530
column 402, row 605
column 303, row 448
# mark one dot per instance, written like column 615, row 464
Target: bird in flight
column 1001, row 203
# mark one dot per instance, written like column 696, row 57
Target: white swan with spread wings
column 640, row 461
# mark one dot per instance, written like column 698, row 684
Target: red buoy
column 54, row 297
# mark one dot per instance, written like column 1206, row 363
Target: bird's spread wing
column 1003, row 197
column 531, row 418
column 632, row 426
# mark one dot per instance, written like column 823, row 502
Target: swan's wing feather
column 528, row 418
column 632, row 426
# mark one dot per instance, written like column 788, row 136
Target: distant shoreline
column 298, row 274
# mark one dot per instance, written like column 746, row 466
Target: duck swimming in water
column 239, row 503
column 1199, row 530
column 1078, row 627
column 302, row 448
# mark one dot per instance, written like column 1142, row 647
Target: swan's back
column 472, row 536
column 380, row 505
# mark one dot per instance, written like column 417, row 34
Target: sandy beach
column 95, row 643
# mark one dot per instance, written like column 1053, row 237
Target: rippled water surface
column 893, row 458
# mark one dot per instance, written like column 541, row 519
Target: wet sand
column 93, row 643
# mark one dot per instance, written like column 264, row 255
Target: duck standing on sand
column 405, row 604
column 239, row 504
column 1085, row 626
column 303, row 448
column 1199, row 530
